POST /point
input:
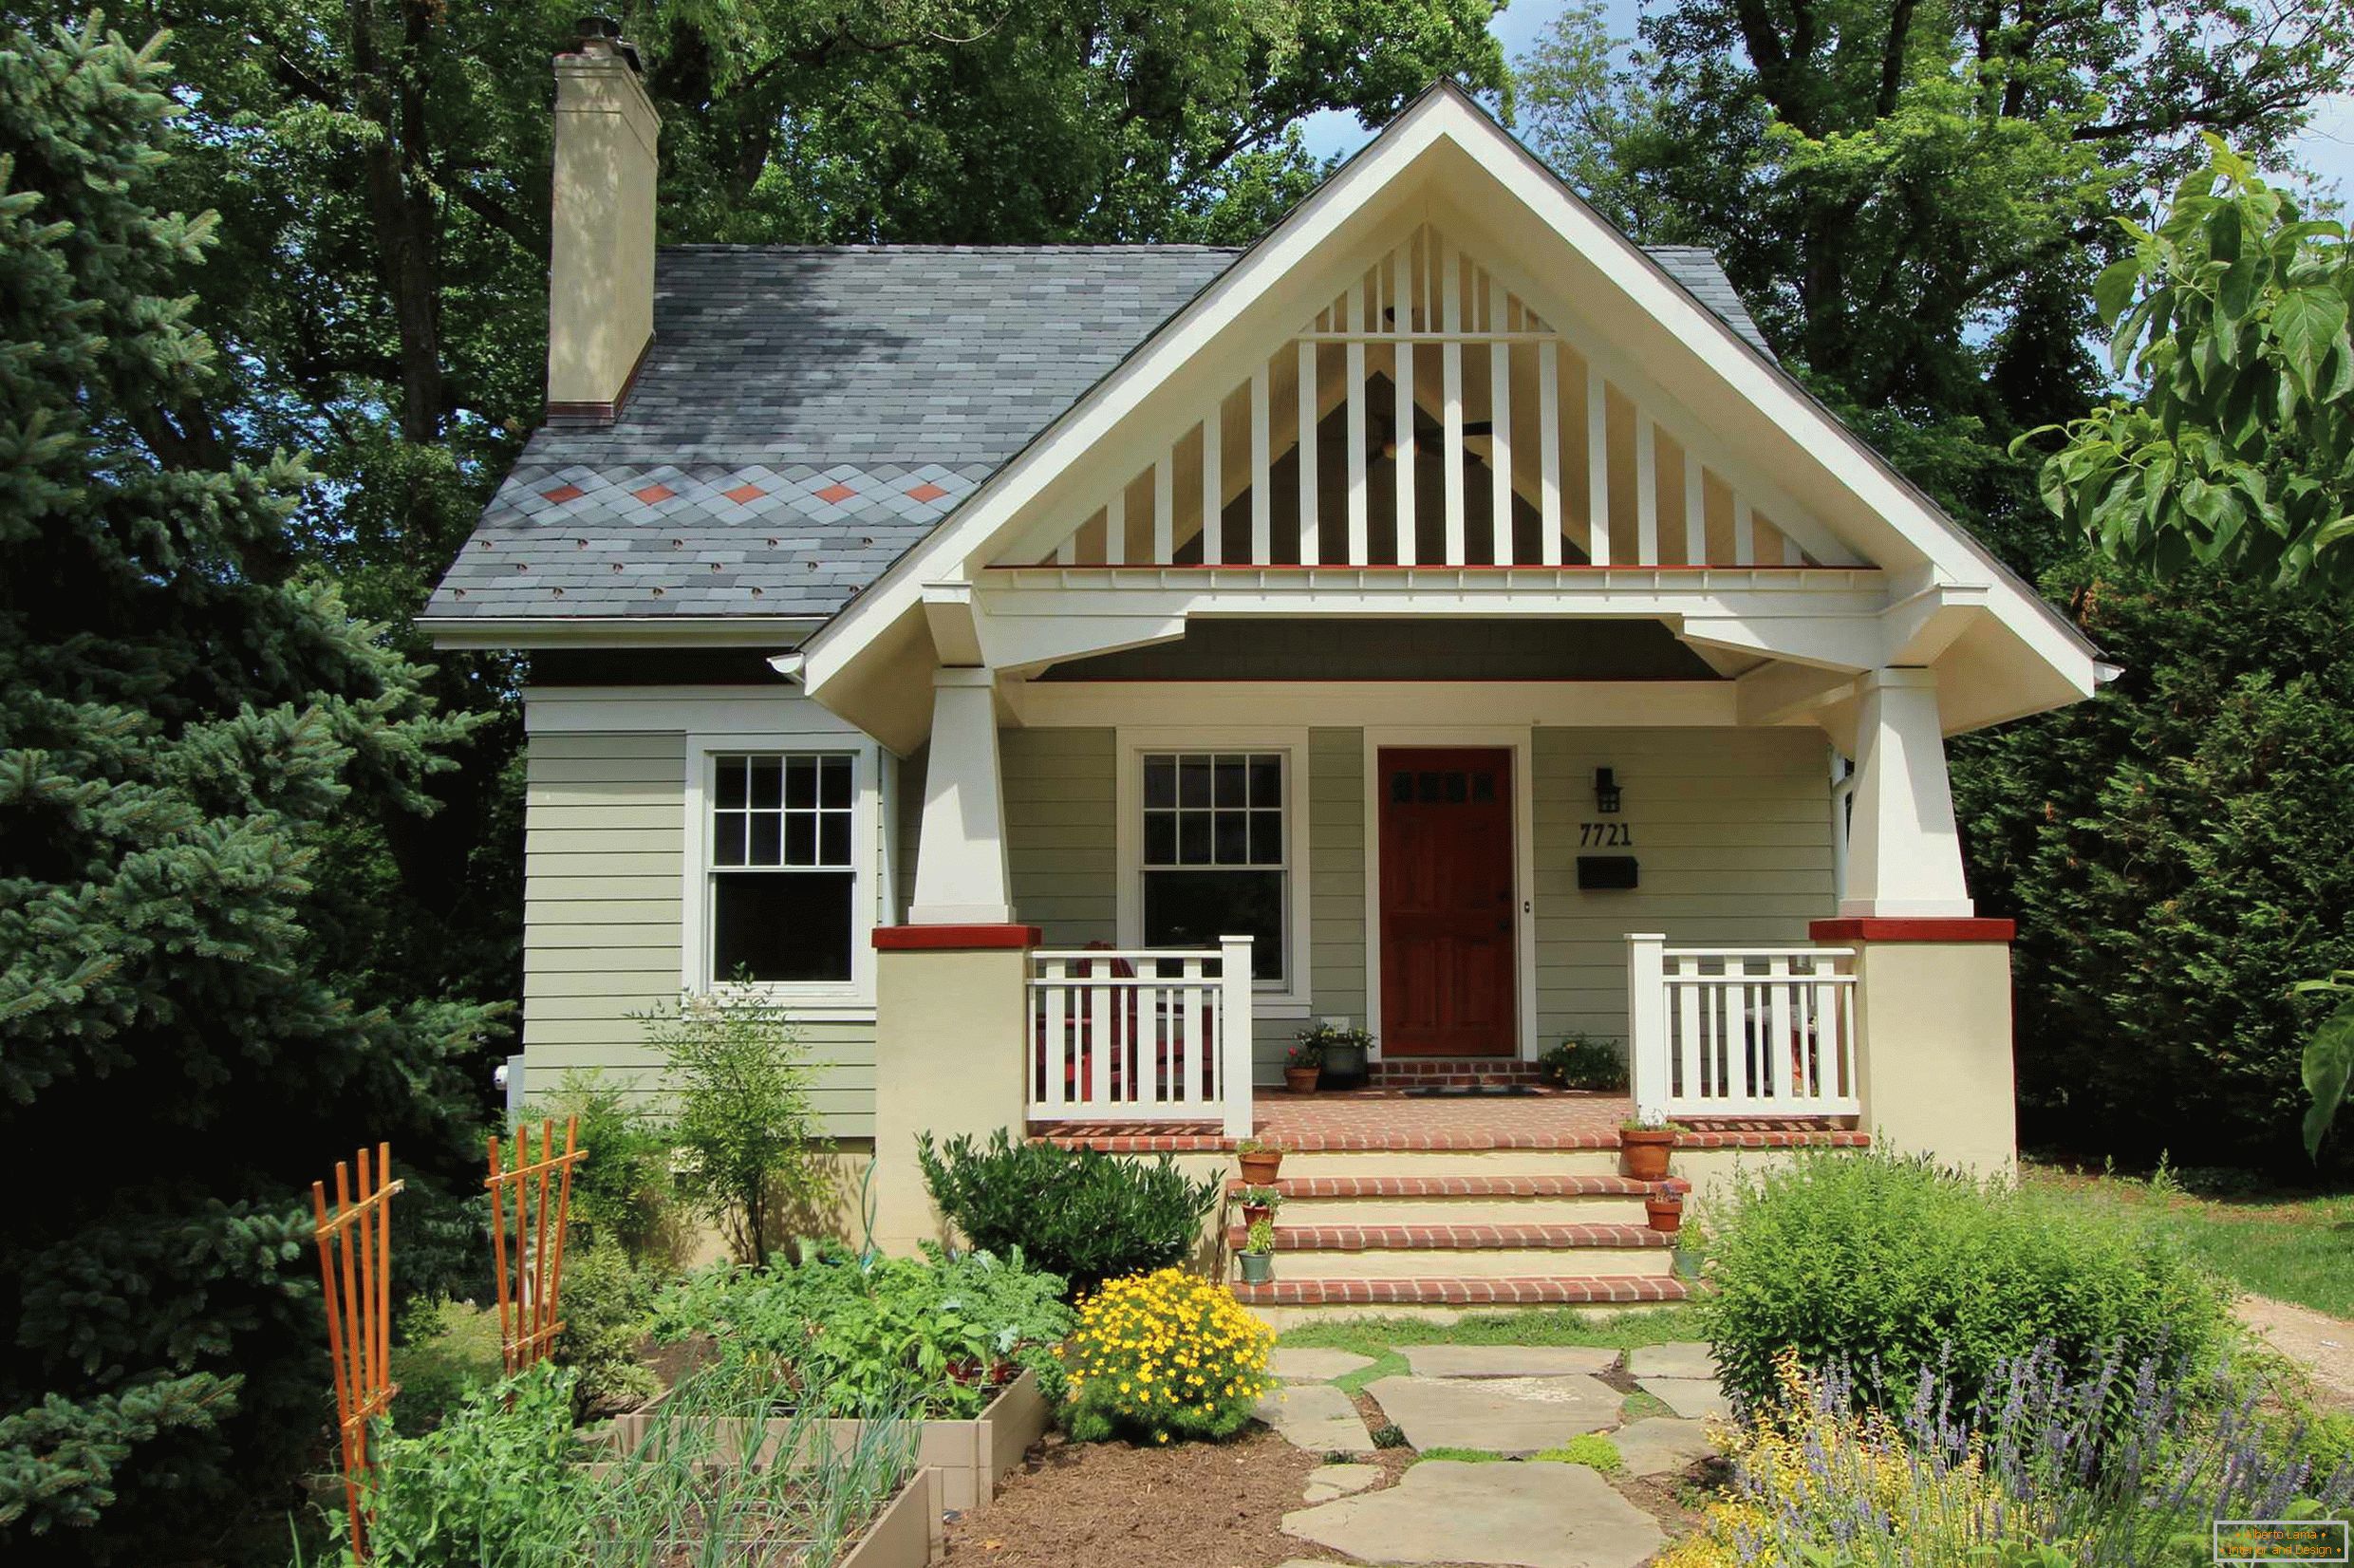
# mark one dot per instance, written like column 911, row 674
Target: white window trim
column 1519, row 740
column 871, row 893
column 1292, row 997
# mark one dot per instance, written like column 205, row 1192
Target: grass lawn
column 2289, row 1247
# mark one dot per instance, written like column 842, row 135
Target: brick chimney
column 601, row 236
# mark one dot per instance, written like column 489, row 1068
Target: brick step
column 1452, row 1071
column 1464, row 1157
column 1465, row 1291
column 1456, row 1200
column 1319, row 1252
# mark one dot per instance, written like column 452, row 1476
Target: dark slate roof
column 807, row 414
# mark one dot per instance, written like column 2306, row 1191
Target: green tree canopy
column 192, row 1026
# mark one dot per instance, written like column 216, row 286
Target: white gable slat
column 1597, row 468
column 1646, row 491
column 1115, row 529
column 1262, row 488
column 1165, row 509
column 1450, row 391
column 1213, row 486
column 1549, row 453
column 1358, row 507
column 1307, row 455
column 1695, row 512
column 1402, row 303
column 1500, row 424
column 1745, row 532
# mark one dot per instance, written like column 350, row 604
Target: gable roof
column 807, row 414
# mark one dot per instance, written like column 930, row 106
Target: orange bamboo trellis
column 530, row 1291
column 355, row 1267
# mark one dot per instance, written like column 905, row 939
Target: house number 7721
column 1607, row 836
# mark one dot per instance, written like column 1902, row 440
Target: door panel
column 1447, row 912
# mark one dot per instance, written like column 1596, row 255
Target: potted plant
column 1259, row 1160
column 1302, row 1064
column 1259, row 1253
column 1643, row 1147
column 1341, row 1050
column 1664, row 1205
column 1259, row 1202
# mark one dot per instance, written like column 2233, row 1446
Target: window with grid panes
column 783, row 883
column 1216, row 852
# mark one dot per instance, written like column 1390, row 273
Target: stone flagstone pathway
column 1500, row 1399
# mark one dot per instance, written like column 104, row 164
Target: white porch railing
column 1741, row 1031
column 1141, row 1034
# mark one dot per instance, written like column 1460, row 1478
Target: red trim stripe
column 938, row 938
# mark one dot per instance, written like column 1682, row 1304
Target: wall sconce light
column 1605, row 791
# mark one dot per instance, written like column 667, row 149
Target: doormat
column 1471, row 1092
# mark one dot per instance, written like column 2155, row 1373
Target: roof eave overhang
column 619, row 631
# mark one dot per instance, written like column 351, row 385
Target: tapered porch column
column 960, row 876
column 1904, row 854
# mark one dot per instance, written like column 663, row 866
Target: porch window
column 783, row 881
column 1216, row 852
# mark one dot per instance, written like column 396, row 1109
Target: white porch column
column 1904, row 854
column 960, row 876
column 1648, row 1068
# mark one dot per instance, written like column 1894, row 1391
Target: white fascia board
column 677, row 710
column 1437, row 704
column 619, row 631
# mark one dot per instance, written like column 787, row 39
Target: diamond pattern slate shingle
column 807, row 415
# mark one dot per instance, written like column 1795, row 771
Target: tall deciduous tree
column 191, row 1026
column 2235, row 452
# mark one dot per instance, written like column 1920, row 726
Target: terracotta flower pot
column 1253, row 1213
column 1643, row 1152
column 1259, row 1169
column 1666, row 1211
column 1301, row 1080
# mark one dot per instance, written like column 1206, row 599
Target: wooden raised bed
column 970, row 1456
column 908, row 1533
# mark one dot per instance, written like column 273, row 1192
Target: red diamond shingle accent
column 561, row 493
column 745, row 495
column 654, row 493
column 835, row 493
column 927, row 491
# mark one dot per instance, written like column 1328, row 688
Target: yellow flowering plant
column 1163, row 1356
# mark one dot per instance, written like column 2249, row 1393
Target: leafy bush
column 497, row 1484
column 2044, row 1477
column 1077, row 1212
column 1582, row 1063
column 1164, row 1355
column 742, row 1080
column 606, row 1305
column 938, row 1333
column 621, row 1191
column 446, row 1349
column 1894, row 1268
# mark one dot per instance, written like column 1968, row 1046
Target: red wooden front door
column 1447, row 903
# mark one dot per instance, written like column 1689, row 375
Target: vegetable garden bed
column 909, row 1533
column 970, row 1457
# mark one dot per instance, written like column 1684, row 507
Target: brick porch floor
column 1391, row 1119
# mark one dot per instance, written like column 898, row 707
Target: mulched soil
column 1116, row 1505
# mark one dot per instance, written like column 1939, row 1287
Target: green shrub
column 495, row 1485
column 446, row 1349
column 621, row 1191
column 1582, row 1063
column 1890, row 1266
column 606, row 1305
column 744, row 1121
column 1077, row 1212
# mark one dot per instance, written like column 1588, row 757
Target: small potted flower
column 1259, row 1253
column 1643, row 1147
column 1341, row 1051
column 1302, row 1065
column 1259, row 1159
column 1259, row 1202
column 1664, row 1204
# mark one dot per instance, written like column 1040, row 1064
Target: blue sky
column 2327, row 145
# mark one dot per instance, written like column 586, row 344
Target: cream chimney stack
column 601, row 235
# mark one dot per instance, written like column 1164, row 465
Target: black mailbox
column 1606, row 871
